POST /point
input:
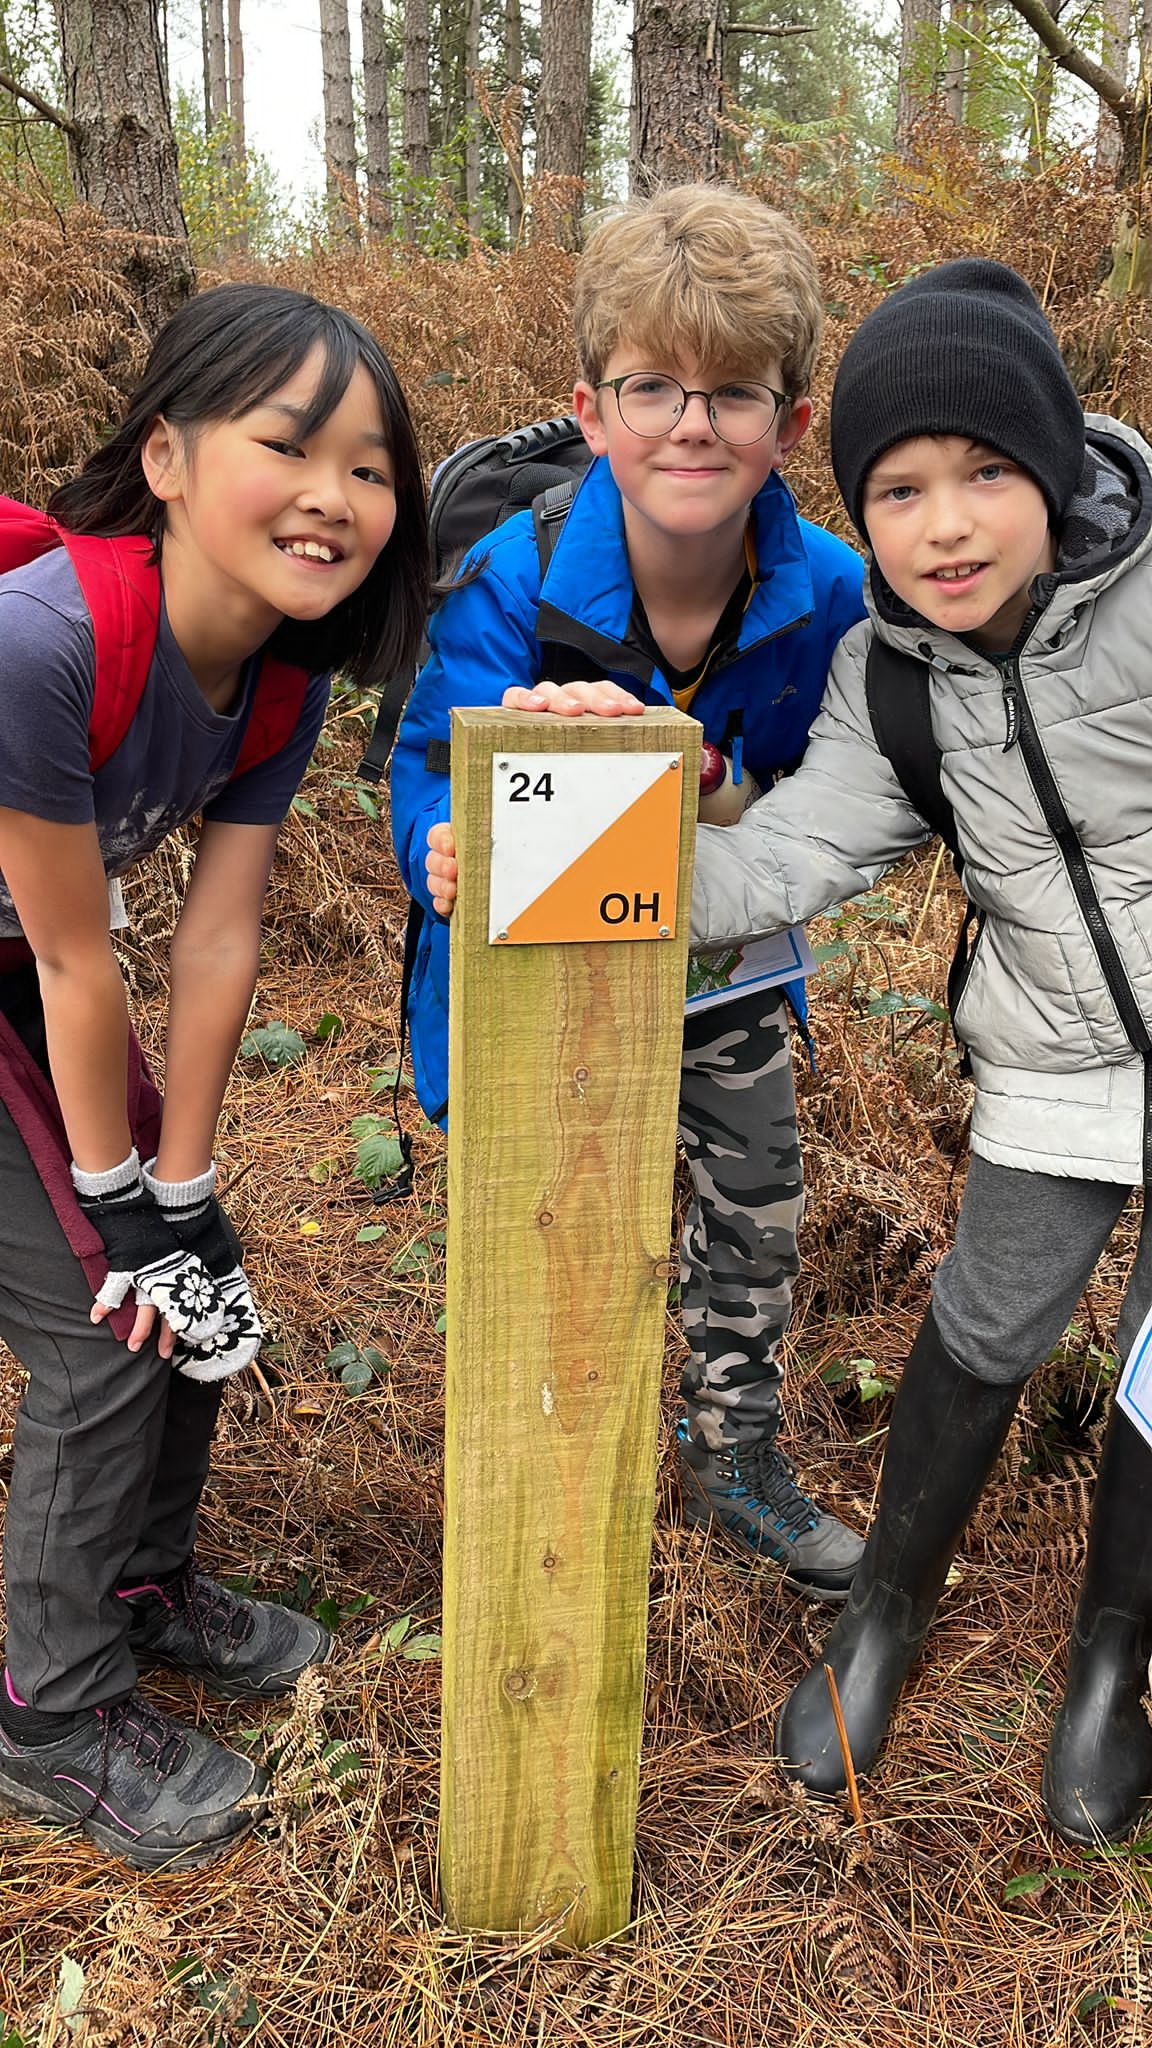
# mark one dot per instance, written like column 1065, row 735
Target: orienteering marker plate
column 584, row 846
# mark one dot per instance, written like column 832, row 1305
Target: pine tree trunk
column 237, row 145
column 1114, row 52
column 216, row 74
column 1043, row 89
column 677, row 84
column 417, row 132
column 919, row 37
column 339, row 115
column 514, row 130
column 377, row 142
column 236, row 82
column 472, row 169
column 121, row 152
column 732, row 81
column 562, row 109
column 447, row 43
column 955, row 80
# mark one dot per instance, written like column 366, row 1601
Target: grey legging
column 1026, row 1244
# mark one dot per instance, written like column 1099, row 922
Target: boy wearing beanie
column 1011, row 557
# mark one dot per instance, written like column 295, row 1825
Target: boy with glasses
column 683, row 573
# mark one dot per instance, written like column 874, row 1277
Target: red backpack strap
column 276, row 709
column 24, row 534
column 120, row 584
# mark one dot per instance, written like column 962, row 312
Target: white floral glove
column 145, row 1254
column 194, row 1215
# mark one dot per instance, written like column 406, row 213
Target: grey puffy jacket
column 1059, row 1088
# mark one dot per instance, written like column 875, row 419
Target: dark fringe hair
column 221, row 355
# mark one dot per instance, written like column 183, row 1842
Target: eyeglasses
column 651, row 405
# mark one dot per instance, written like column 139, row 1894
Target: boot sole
column 695, row 1514
column 17, row 1803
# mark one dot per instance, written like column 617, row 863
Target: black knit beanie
column 962, row 349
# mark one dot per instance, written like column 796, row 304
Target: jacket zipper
column 1022, row 728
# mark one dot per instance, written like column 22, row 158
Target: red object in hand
column 712, row 768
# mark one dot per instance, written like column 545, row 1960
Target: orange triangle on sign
column 623, row 886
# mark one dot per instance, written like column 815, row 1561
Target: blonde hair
column 703, row 271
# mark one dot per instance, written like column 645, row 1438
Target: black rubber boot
column 1098, row 1771
column 946, row 1433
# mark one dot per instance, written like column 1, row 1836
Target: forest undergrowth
column 950, row 1918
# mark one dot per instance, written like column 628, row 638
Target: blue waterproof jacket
column 489, row 634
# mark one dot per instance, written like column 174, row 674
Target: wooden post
column 565, row 1063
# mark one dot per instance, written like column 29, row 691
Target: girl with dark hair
column 267, row 487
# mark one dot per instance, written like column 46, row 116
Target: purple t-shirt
column 175, row 758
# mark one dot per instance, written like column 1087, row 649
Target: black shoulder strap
column 896, row 690
column 549, row 511
column 389, row 712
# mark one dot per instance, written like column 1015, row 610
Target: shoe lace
column 212, row 1610
column 154, row 1739
column 770, row 1481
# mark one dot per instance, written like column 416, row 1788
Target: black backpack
column 473, row 492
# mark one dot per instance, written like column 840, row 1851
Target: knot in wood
column 545, row 1218
column 519, row 1684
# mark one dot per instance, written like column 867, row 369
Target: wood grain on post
column 565, row 1064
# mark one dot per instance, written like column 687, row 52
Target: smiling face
column 689, row 483
column 262, row 524
column 959, row 532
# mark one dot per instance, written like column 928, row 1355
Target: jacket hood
column 1105, row 532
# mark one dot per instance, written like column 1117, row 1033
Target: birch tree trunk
column 919, row 37
column 417, row 134
column 121, row 153
column 677, row 85
column 562, row 108
column 339, row 115
column 377, row 142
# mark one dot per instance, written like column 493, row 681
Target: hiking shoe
column 144, row 1788
column 239, row 1649
column 749, row 1492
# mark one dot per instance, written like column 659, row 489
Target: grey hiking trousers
column 110, row 1455
column 738, row 1256
column 1026, row 1244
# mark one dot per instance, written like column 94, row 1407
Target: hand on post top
column 569, row 700
column 440, row 867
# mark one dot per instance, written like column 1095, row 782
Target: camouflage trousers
column 738, row 1255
